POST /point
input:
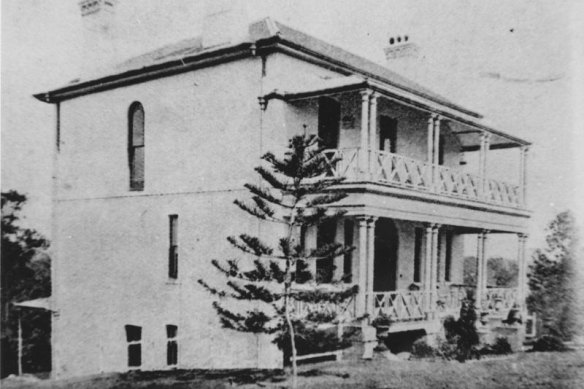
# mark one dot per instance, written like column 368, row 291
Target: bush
column 381, row 321
column 549, row 343
column 448, row 348
column 312, row 339
column 421, row 349
column 450, row 326
column 500, row 347
column 461, row 335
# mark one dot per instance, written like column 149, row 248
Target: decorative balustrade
column 398, row 170
column 499, row 300
column 501, row 192
column 456, row 183
column 400, row 305
column 342, row 163
column 342, row 310
column 405, row 305
column 415, row 305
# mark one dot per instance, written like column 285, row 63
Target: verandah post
column 428, row 269
column 523, row 175
column 370, row 263
column 373, row 134
column 364, row 149
column 522, row 278
column 362, row 296
column 483, row 183
column 436, row 156
column 430, row 147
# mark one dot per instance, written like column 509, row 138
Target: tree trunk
column 292, row 340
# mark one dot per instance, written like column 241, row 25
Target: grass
column 522, row 370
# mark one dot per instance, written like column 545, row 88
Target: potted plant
column 382, row 323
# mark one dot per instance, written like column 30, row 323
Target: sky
column 516, row 62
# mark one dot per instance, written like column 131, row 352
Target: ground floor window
column 348, row 259
column 171, row 345
column 419, row 236
column 448, row 257
column 134, row 339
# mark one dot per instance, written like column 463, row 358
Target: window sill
column 137, row 189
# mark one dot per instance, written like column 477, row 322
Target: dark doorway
column 325, row 235
column 385, row 262
column 387, row 134
column 441, row 143
column 329, row 117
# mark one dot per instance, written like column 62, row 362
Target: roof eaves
column 165, row 69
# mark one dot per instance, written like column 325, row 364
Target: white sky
column 532, row 44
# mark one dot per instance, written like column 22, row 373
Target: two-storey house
column 150, row 156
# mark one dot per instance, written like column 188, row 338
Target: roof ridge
column 267, row 28
column 272, row 26
column 368, row 67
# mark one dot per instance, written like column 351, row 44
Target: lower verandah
column 408, row 271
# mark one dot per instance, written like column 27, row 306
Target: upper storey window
column 136, row 146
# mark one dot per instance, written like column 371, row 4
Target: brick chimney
column 399, row 47
column 99, row 34
column 225, row 22
column 405, row 57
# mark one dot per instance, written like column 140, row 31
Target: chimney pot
column 400, row 47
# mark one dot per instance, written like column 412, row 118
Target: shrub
column 467, row 331
column 311, row 339
column 461, row 335
column 549, row 343
column 450, row 326
column 448, row 348
column 421, row 349
column 382, row 321
column 500, row 347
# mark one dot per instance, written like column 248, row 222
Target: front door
column 385, row 262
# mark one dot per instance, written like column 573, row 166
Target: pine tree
column 297, row 192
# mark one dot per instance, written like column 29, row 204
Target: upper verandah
column 265, row 36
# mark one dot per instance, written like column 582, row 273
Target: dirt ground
column 522, row 370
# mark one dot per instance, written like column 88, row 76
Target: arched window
column 136, row 146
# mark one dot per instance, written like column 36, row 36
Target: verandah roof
column 467, row 129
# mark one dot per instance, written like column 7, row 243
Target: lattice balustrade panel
column 457, row 183
column 502, row 192
column 400, row 305
column 345, row 309
column 402, row 171
column 342, row 163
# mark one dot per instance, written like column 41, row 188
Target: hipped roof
column 265, row 36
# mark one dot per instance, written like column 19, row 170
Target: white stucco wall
column 202, row 142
